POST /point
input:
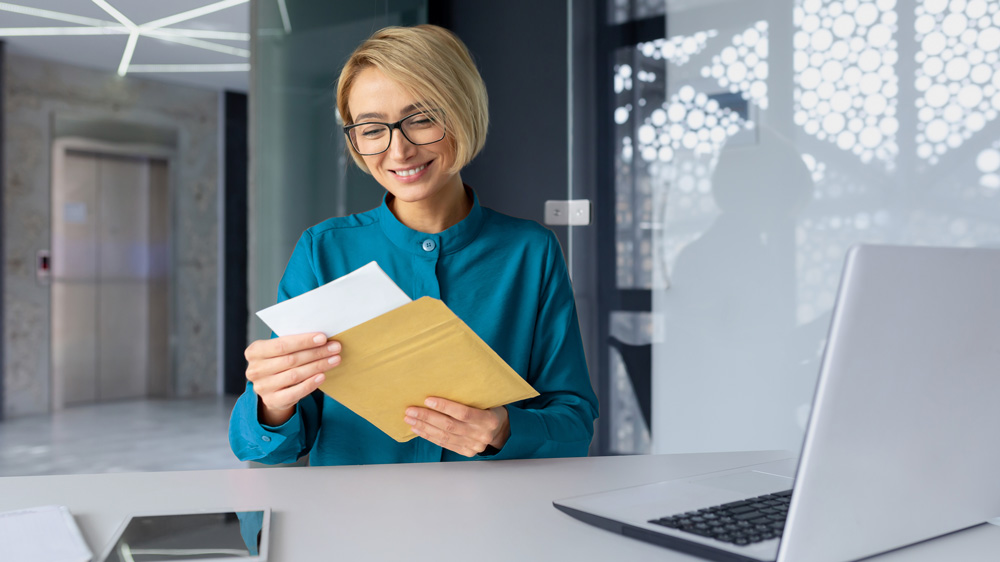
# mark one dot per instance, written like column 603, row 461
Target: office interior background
column 160, row 162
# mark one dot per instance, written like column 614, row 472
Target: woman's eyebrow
column 370, row 116
column 375, row 115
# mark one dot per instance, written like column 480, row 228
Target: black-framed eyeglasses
column 371, row 137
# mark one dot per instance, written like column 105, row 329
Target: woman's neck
column 435, row 215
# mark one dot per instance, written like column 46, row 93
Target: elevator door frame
column 60, row 147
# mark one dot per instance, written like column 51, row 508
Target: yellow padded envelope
column 418, row 350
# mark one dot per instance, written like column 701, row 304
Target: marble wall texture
column 37, row 94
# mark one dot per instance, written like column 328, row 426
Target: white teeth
column 405, row 173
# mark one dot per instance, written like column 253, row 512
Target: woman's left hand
column 459, row 428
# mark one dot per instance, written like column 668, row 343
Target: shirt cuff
column 526, row 435
column 250, row 440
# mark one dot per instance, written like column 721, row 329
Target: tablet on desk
column 205, row 536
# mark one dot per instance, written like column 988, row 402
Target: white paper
column 42, row 534
column 343, row 303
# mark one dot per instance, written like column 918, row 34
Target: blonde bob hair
column 433, row 65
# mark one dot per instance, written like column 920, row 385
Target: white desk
column 451, row 511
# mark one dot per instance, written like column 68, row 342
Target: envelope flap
column 418, row 350
column 394, row 327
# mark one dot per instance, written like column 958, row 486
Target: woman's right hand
column 287, row 369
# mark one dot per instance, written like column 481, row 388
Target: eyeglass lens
column 419, row 128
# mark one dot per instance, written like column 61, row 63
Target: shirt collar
column 449, row 241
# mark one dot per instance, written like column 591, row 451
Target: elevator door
column 109, row 278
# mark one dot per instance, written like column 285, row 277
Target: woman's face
column 412, row 173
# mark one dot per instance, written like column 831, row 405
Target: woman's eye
column 372, row 132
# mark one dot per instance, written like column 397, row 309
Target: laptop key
column 702, row 532
column 740, row 503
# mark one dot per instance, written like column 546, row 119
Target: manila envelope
column 418, row 350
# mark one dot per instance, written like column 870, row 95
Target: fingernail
column 320, row 378
column 333, row 360
column 411, row 413
column 431, row 403
column 333, row 347
column 409, row 420
column 319, row 338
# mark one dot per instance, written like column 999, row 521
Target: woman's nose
column 399, row 146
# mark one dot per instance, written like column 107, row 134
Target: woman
column 415, row 110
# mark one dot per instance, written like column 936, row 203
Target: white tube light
column 201, row 34
column 60, row 31
column 243, row 67
column 127, row 55
column 115, row 13
column 287, row 23
column 191, row 14
column 49, row 14
column 207, row 45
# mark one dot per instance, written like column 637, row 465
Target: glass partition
column 755, row 143
column 301, row 173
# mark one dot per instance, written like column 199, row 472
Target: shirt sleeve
column 560, row 421
column 248, row 438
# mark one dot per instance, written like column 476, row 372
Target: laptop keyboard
column 741, row 523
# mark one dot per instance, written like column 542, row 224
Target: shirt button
column 428, row 245
column 265, row 438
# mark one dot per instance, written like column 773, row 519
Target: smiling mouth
column 411, row 171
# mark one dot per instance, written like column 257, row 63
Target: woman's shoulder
column 336, row 225
column 509, row 225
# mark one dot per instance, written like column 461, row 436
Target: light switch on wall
column 574, row 212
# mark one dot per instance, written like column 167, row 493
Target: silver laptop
column 903, row 442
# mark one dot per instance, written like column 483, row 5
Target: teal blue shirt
column 504, row 277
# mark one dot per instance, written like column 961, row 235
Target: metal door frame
column 611, row 37
column 60, row 147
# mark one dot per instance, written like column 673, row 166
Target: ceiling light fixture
column 205, row 34
column 133, row 36
column 103, row 4
column 191, row 14
column 49, row 14
column 154, row 29
column 52, row 31
column 244, row 67
column 112, row 28
column 207, row 45
column 285, row 22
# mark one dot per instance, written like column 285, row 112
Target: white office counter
column 448, row 511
